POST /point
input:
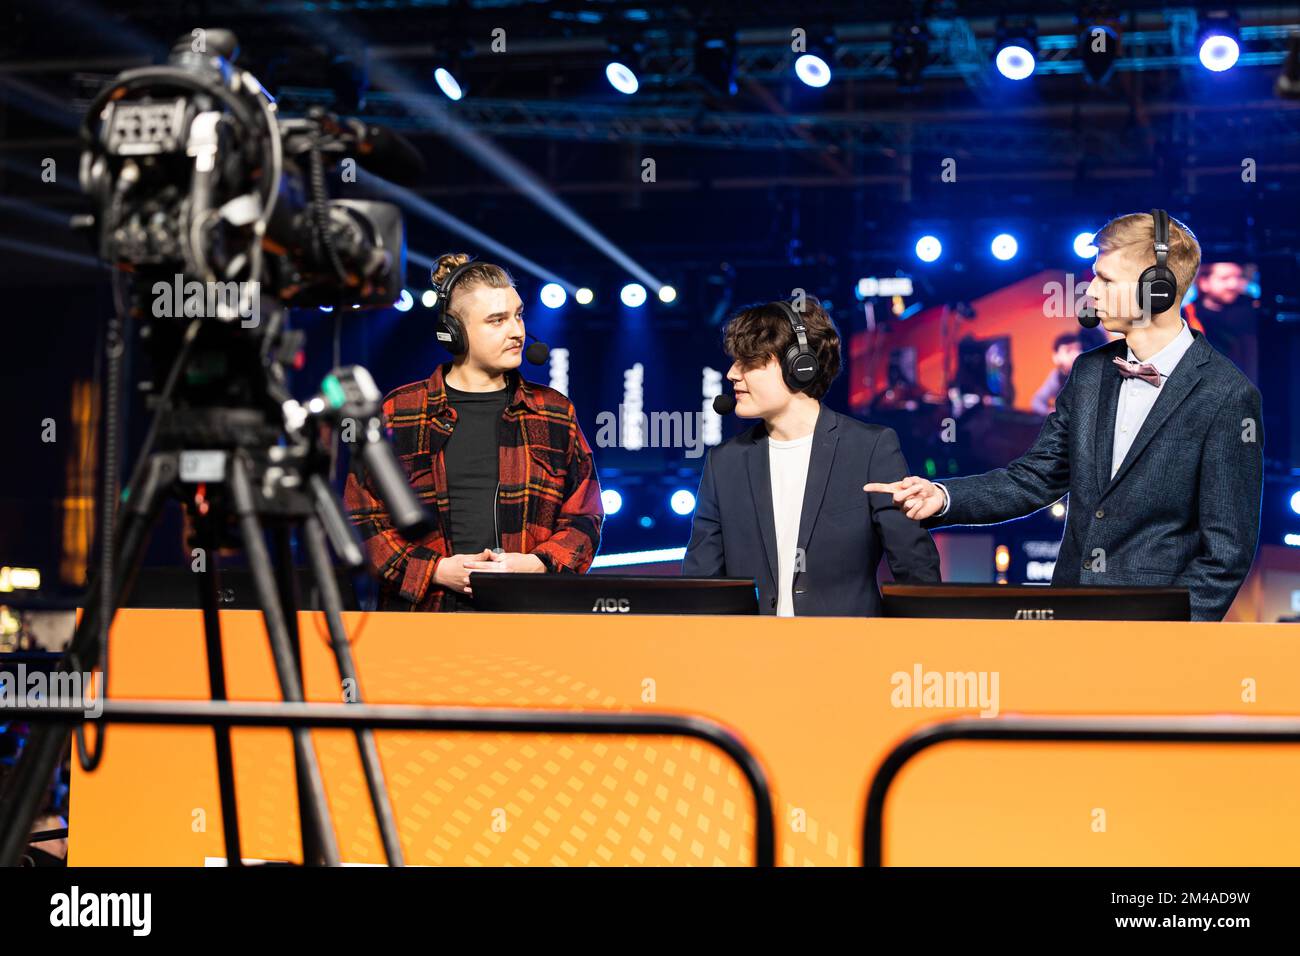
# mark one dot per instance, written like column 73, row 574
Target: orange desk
column 819, row 701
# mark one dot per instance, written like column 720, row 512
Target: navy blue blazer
column 1183, row 508
column 843, row 531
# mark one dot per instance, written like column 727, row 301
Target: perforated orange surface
column 817, row 701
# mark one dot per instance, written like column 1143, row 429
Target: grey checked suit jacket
column 1183, row 509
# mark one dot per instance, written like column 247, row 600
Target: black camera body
column 193, row 173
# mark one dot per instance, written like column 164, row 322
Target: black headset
column 799, row 365
column 449, row 331
column 1157, row 287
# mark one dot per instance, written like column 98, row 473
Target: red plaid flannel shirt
column 548, row 503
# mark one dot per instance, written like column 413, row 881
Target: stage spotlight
column 910, row 53
column 1295, row 502
column 1004, row 246
column 1083, row 247
column 622, row 78
column 633, row 295
column 429, row 299
column 682, row 502
column 327, row 308
column 715, row 60
column 449, row 85
column 646, row 521
column 1099, row 49
column 404, row 301
column 1218, row 43
column 612, row 501
column 1016, row 43
column 928, row 248
column 584, row 296
column 812, row 70
column 553, row 295
column 667, row 294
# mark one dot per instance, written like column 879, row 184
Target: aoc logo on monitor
column 1035, row 614
column 612, row 605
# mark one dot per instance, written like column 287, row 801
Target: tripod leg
column 41, row 753
column 318, row 555
column 287, row 588
column 314, row 811
column 209, row 581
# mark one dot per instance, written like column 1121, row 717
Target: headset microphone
column 538, row 351
column 724, row 404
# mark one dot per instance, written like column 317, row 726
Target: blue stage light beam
column 492, row 157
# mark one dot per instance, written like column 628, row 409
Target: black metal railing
column 452, row 719
column 1178, row 730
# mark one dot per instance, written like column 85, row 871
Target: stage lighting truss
column 1100, row 37
column 910, row 53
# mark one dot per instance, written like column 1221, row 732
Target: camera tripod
column 239, row 472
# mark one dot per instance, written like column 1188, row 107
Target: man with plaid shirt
column 500, row 461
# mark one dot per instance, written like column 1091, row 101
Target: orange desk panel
column 819, row 702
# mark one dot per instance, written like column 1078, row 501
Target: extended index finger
column 883, row 488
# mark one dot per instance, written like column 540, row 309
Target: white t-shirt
column 788, row 464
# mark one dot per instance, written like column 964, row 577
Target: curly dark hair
column 762, row 331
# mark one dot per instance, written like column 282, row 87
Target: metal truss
column 1062, row 132
column 958, row 53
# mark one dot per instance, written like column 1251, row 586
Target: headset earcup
column 1157, row 288
column 799, row 368
column 449, row 335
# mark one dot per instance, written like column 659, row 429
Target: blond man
column 1156, row 437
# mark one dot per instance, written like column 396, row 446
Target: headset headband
column 1161, row 219
column 795, row 319
column 444, row 290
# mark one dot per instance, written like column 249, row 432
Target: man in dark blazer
column 1156, row 437
column 781, row 502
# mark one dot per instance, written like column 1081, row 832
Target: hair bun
column 447, row 263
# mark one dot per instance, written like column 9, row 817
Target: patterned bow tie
column 1143, row 370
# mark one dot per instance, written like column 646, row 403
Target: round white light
column 1219, row 53
column 404, row 302
column 447, row 83
column 1015, row 62
column 553, row 295
column 429, row 299
column 1295, row 502
column 667, row 293
column 1083, row 247
column 622, row 78
column 1005, row 246
column 682, row 501
column 813, row 70
column 928, row 248
column 584, row 296
column 612, row 501
column 633, row 295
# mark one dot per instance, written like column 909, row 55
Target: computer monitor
column 611, row 594
column 1036, row 603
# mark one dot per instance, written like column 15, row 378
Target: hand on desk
column 452, row 571
column 918, row 498
column 507, row 561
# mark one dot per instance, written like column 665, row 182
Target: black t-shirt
column 471, row 458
